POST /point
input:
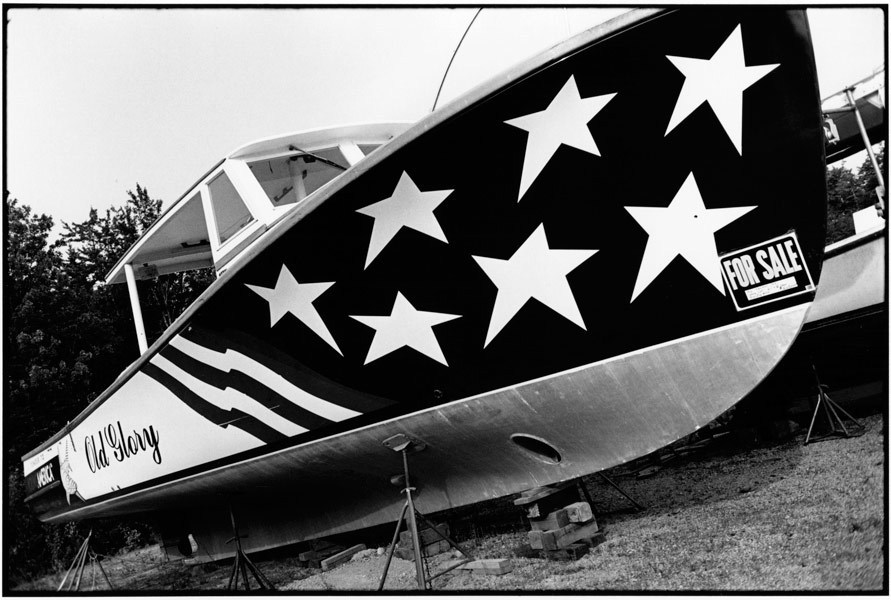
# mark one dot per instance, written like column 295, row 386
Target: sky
column 100, row 99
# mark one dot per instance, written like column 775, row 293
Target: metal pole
column 80, row 567
column 392, row 547
column 621, row 491
column 104, row 574
column 137, row 309
column 872, row 157
column 413, row 526
column 73, row 563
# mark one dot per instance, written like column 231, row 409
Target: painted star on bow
column 407, row 207
column 405, row 326
column 291, row 296
column 683, row 228
column 720, row 81
column 564, row 121
column 534, row 271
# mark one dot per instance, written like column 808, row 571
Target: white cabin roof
column 183, row 238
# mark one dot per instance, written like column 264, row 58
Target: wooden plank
column 580, row 532
column 320, row 549
column 549, row 503
column 341, row 557
column 579, row 512
column 554, row 520
column 547, row 540
column 538, row 493
column 489, row 566
column 648, row 472
column 308, row 556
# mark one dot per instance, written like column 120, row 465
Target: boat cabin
column 239, row 199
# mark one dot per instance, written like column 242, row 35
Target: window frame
column 223, row 252
column 263, row 213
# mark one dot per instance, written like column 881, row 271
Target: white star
column 720, row 81
column 564, row 121
column 534, row 271
column 405, row 326
column 407, row 207
column 290, row 296
column 684, row 228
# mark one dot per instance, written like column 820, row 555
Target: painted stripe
column 229, row 399
column 246, row 385
column 230, row 359
column 211, row 412
column 284, row 364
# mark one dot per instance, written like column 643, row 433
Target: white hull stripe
column 229, row 399
column 232, row 360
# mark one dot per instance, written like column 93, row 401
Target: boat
column 845, row 336
column 843, row 131
column 589, row 257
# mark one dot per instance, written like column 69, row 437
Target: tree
column 68, row 336
column 95, row 245
column 848, row 192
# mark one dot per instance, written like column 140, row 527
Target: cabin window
column 229, row 210
column 290, row 179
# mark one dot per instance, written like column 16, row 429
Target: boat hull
column 596, row 417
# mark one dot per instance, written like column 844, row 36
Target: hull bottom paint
column 594, row 417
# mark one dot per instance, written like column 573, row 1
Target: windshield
column 289, row 179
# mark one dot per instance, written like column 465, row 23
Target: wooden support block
column 571, row 552
column 579, row 512
column 536, row 494
column 547, row 500
column 490, row 566
column 648, row 472
column 554, row 520
column 341, row 557
column 425, row 536
column 564, row 539
column 308, row 556
column 321, row 550
column 547, row 540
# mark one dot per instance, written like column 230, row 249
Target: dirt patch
column 362, row 574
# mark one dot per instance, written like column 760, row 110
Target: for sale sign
column 766, row 272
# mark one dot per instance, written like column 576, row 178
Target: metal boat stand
column 830, row 411
column 618, row 489
column 587, row 495
column 243, row 565
column 403, row 444
column 76, row 570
